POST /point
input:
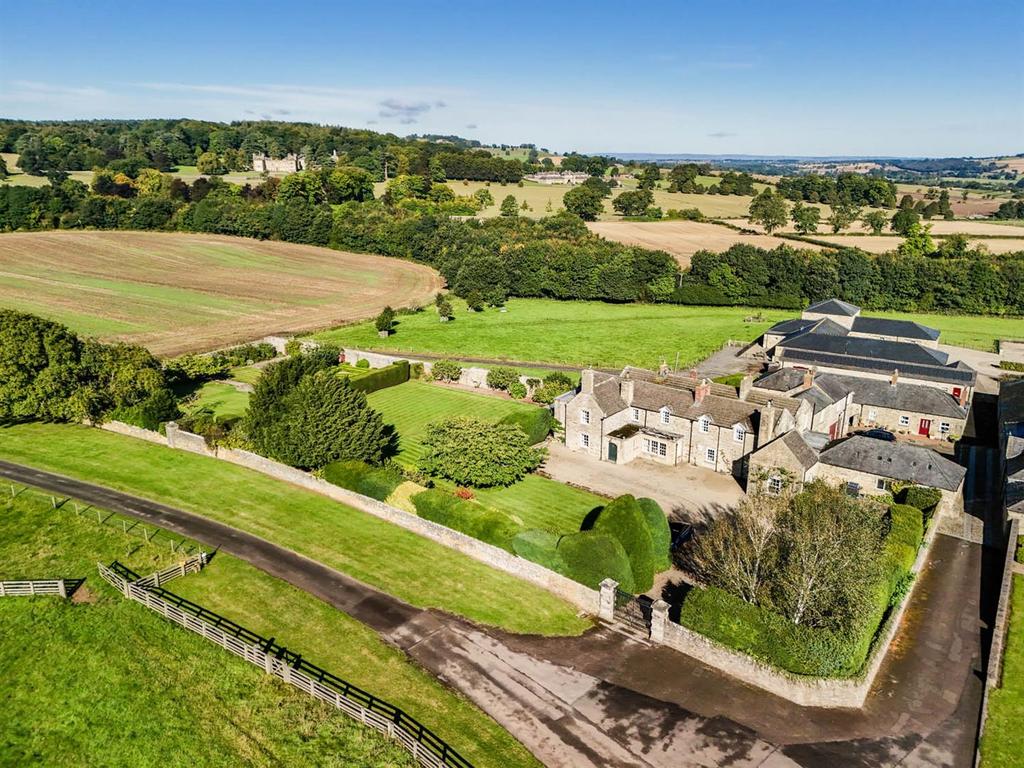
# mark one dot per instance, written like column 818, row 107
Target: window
column 704, row 424
column 738, row 433
column 666, row 415
column 655, row 447
column 584, row 440
column 944, row 427
column 904, row 421
column 853, row 489
column 584, row 416
column 882, row 484
column 775, row 485
column 872, row 414
column 635, row 414
column 710, row 455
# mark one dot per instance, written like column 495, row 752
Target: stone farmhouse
column 832, row 337
column 675, row 419
column 841, row 403
column 558, row 177
column 290, row 163
column 865, row 465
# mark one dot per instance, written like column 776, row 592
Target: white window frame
column 635, row 414
column 872, row 414
column 655, row 447
column 774, row 485
column 881, row 484
column 666, row 416
column 904, row 421
column 584, row 440
column 584, row 416
column 943, row 427
column 710, row 456
column 739, row 433
column 704, row 424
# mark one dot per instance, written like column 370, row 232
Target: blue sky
column 758, row 77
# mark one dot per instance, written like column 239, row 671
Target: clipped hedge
column 623, row 519
column 375, row 482
column 540, row 547
column 536, row 423
column 591, row 557
column 382, row 378
column 925, row 499
column 446, row 370
column 468, row 517
column 661, row 536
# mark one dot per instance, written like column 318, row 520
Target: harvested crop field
column 883, row 243
column 975, row 228
column 177, row 293
column 680, row 238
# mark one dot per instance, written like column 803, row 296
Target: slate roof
column 916, row 398
column 786, row 327
column 802, row 452
column 834, row 307
column 606, row 392
column 782, row 380
column 908, row 329
column 897, row 461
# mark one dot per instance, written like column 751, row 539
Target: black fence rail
column 430, row 749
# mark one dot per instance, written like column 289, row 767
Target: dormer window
column 666, row 415
column 704, row 424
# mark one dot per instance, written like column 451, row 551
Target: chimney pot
column 587, row 380
column 701, row 391
column 808, row 379
column 746, row 384
column 895, row 376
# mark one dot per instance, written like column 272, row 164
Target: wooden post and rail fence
column 427, row 748
column 32, row 588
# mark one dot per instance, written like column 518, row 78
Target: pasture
column 883, row 243
column 365, row 547
column 177, row 293
column 972, row 227
column 680, row 238
column 123, row 659
column 222, row 399
column 574, row 333
column 538, row 502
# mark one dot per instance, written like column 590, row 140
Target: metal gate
column 633, row 611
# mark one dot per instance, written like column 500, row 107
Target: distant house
column 675, row 419
column 864, row 465
column 832, row 337
column 842, row 402
column 290, row 163
column 558, row 177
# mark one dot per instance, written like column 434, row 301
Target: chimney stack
column 663, row 369
column 701, row 391
column 766, row 424
column 693, row 374
column 963, row 397
column 587, row 380
column 626, row 390
column 895, row 377
column 746, row 384
column 808, row 379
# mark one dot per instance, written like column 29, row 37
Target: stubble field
column 177, row 293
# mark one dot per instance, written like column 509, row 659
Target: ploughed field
column 177, row 293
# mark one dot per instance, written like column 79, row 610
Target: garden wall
column 1011, row 350
column 582, row 597
column 805, row 691
column 471, row 376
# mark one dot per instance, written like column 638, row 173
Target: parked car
column 681, row 533
column 880, row 434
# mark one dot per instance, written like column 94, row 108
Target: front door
column 925, row 427
column 613, row 453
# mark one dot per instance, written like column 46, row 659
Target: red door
column 925, row 427
column 833, row 430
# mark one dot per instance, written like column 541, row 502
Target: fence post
column 606, row 607
column 2, row 592
column 31, row 587
column 659, row 617
column 156, row 579
column 62, row 587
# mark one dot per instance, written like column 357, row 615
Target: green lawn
column 104, row 681
column 249, row 374
column 975, row 331
column 222, row 399
column 1003, row 742
column 356, row 543
column 568, row 333
column 538, row 501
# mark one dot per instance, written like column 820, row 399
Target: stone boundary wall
column 582, row 597
column 805, row 691
column 471, row 376
column 1011, row 350
column 132, row 431
column 994, row 676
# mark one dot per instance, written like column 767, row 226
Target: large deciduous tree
column 583, row 201
column 769, row 210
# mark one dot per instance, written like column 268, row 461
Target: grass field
column 568, row 333
column 276, row 725
column 98, row 677
column 1003, row 742
column 975, row 331
column 537, row 501
column 223, row 399
column 356, row 543
column 177, row 292
column 680, row 238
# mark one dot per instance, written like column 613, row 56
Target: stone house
column 832, row 337
column 290, row 163
column 865, row 465
column 558, row 177
column 841, row 403
column 675, row 419
column 1011, row 445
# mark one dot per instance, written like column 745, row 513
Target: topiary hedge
column 661, row 536
column 925, row 499
column 382, row 378
column 591, row 557
column 468, row 517
column 623, row 519
column 536, row 423
column 358, row 476
column 540, row 547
